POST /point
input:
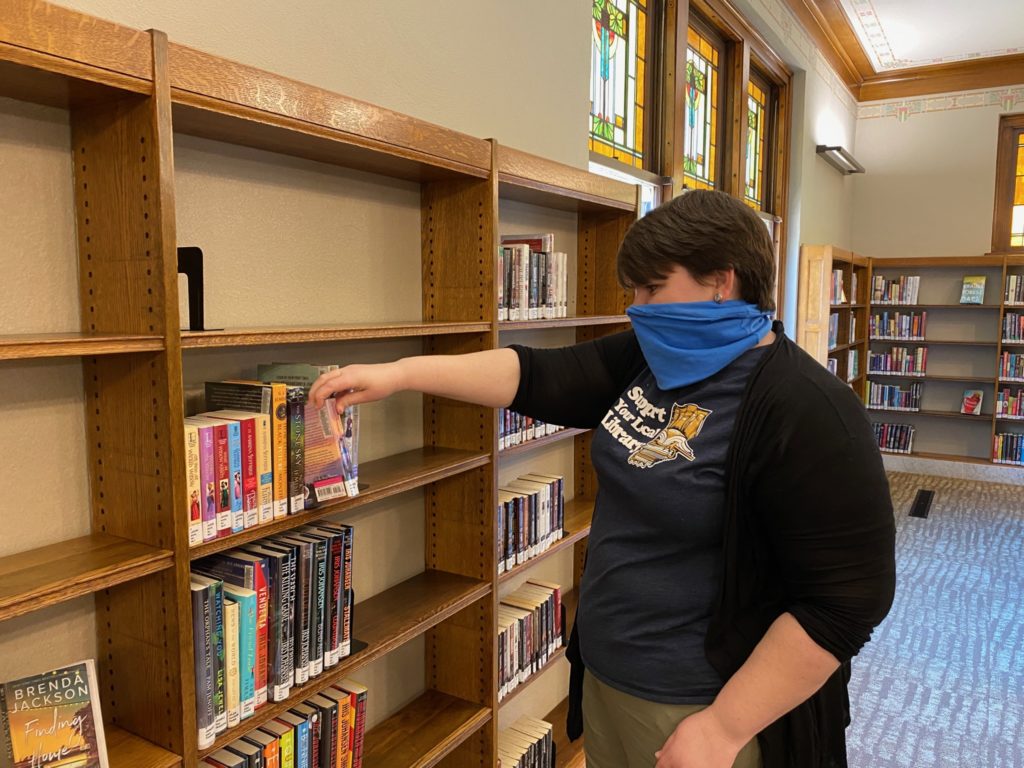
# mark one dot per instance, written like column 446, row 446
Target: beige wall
column 930, row 185
column 518, row 72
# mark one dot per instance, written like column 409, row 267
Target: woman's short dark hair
column 704, row 232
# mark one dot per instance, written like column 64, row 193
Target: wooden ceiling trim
column 972, row 75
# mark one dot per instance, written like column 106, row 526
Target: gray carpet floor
column 942, row 681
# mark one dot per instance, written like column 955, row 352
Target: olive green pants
column 622, row 731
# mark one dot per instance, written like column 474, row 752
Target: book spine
column 235, row 475
column 279, row 454
column 296, row 450
column 222, row 464
column 208, row 483
column 250, row 473
column 360, row 732
column 303, row 598
column 337, row 555
column 247, row 638
column 202, row 633
column 346, row 635
column 219, row 660
column 344, row 732
column 288, row 621
column 193, row 482
column 319, row 605
column 278, row 647
column 232, row 681
column 265, row 467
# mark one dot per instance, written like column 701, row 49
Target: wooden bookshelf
column 531, row 445
column 568, row 754
column 378, row 479
column 129, row 94
column 578, row 514
column 570, row 600
column 37, row 578
column 978, row 330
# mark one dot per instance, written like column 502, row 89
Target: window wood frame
column 1010, row 129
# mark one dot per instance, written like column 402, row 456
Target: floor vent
column 922, row 503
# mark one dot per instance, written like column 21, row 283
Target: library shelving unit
column 831, row 325
column 603, row 213
column 965, row 345
column 128, row 95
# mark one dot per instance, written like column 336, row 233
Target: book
column 971, row 403
column 202, row 646
column 973, row 290
column 246, row 603
column 52, row 720
column 193, row 467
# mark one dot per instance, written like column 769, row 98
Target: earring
column 718, row 298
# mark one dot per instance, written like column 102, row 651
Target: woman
column 742, row 544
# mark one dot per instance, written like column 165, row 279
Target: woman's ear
column 726, row 283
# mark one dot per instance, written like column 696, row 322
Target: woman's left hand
column 699, row 741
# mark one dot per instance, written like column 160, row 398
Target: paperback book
column 52, row 720
column 973, row 290
column 972, row 401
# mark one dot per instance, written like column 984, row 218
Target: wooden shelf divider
column 41, row 577
column 421, row 734
column 384, row 622
column 378, row 479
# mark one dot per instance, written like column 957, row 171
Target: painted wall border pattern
column 1007, row 99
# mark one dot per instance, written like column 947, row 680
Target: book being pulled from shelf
column 52, row 720
column 530, row 626
column 516, row 429
column 328, row 729
column 527, row 743
column 531, row 517
column 973, row 290
column 532, row 278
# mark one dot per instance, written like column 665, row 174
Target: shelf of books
column 231, row 524
column 932, row 386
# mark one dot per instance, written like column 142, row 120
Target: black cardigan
column 809, row 523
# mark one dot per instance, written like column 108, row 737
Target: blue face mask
column 685, row 342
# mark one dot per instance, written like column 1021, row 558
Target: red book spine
column 222, row 469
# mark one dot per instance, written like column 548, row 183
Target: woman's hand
column 699, row 741
column 355, row 384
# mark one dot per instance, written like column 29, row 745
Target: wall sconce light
column 840, row 159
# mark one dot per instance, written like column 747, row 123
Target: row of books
column 902, row 290
column 267, row 616
column 527, row 743
column 327, row 730
column 1011, row 365
column 263, row 452
column 894, row 438
column 530, row 623
column 852, row 365
column 515, row 428
column 531, row 518
column 899, row 360
column 1014, row 289
column 891, row 397
column 1008, row 448
column 533, row 279
column 898, row 325
column 1013, row 326
column 833, row 331
column 1010, row 404
column 836, row 289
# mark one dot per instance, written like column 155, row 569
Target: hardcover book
column 53, row 720
column 972, row 401
column 973, row 290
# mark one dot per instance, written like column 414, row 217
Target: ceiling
column 885, row 49
column 898, row 34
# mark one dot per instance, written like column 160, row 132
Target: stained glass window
column 701, row 129
column 617, row 71
column 757, row 143
column 1017, row 217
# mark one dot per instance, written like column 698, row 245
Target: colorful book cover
column 193, row 483
column 233, row 701
column 235, row 475
column 263, row 478
column 52, row 720
column 358, row 692
column 972, row 401
column 973, row 291
column 208, row 496
column 247, row 609
column 247, row 427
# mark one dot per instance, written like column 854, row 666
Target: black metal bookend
column 190, row 263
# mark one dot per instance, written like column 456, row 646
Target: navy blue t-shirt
column 655, row 552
